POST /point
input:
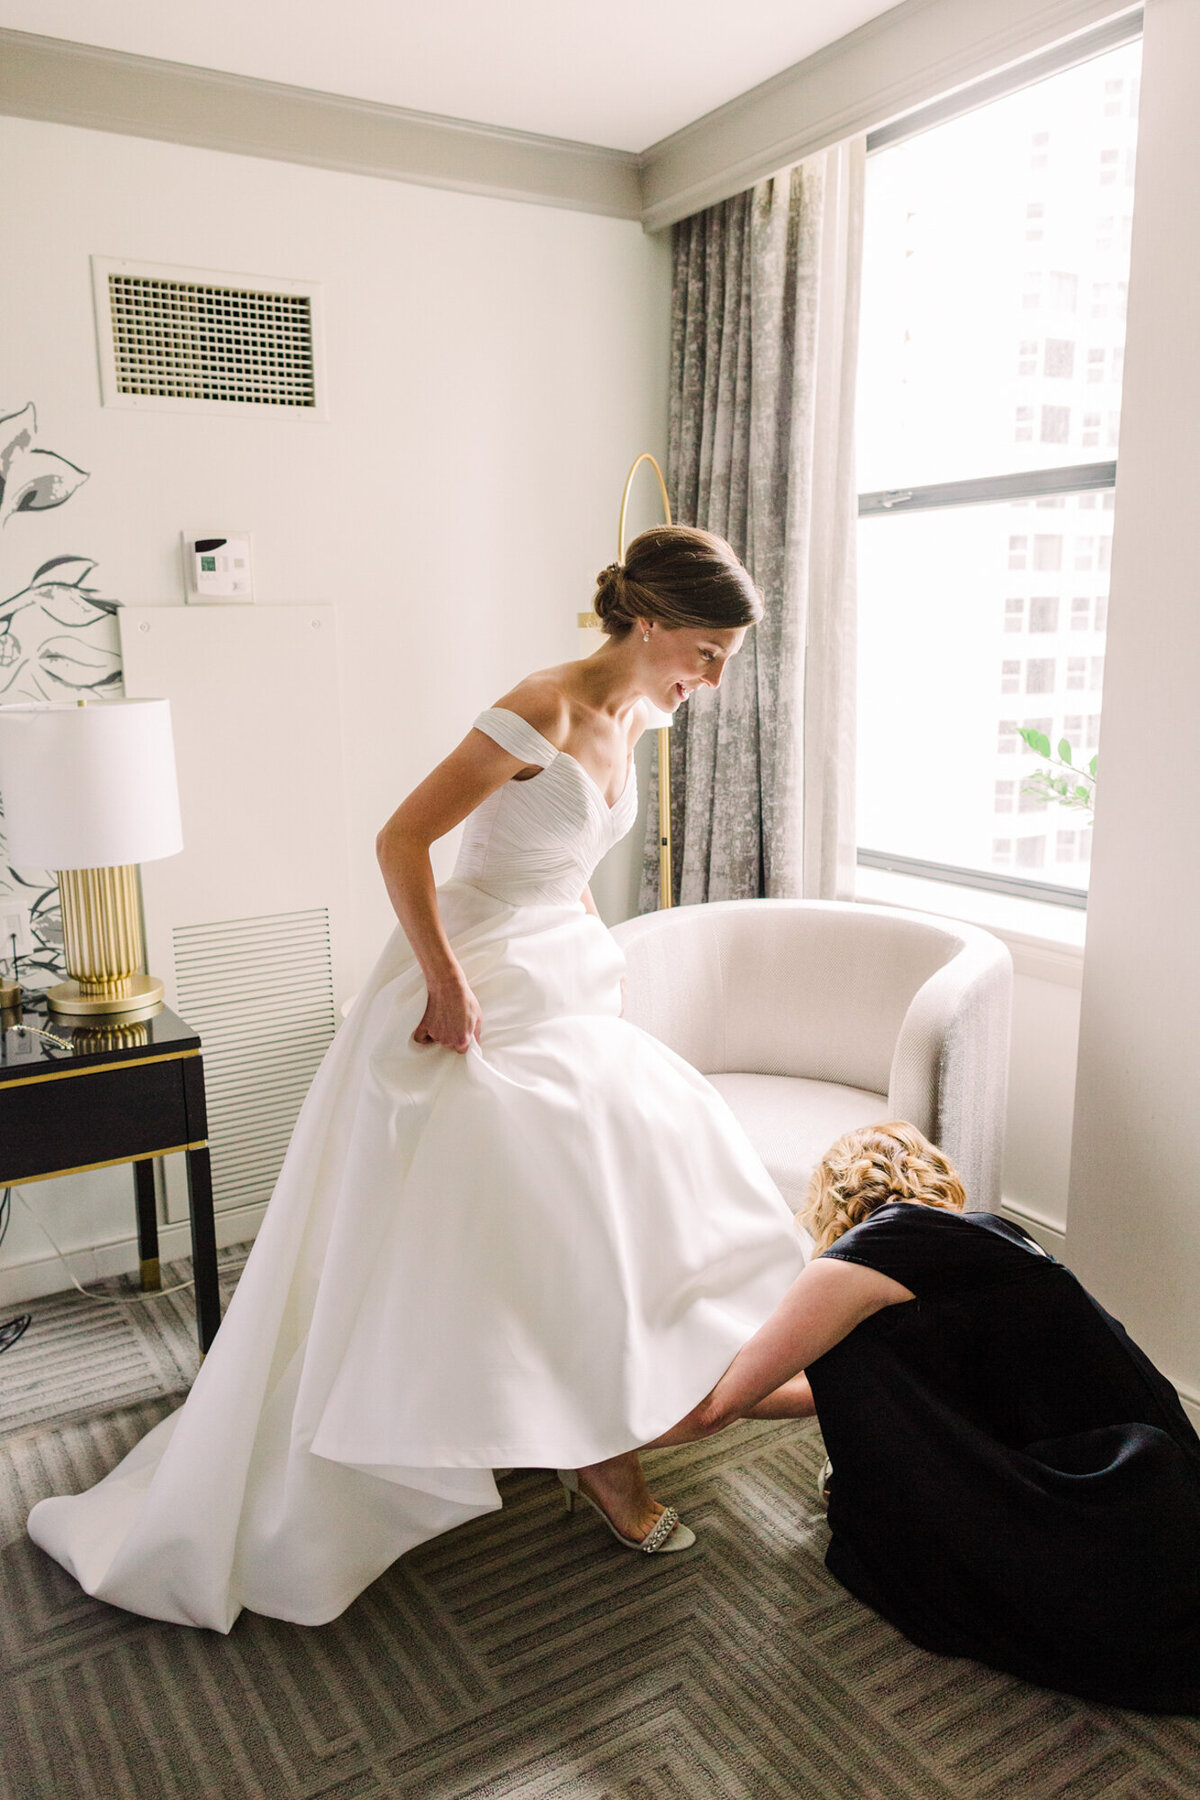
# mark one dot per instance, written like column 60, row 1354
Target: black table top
column 38, row 1040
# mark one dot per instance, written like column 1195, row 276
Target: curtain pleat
column 760, row 433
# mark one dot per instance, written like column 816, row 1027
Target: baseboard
column 35, row 1279
column 1044, row 1231
column 42, row 1275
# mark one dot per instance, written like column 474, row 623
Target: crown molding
column 139, row 96
column 916, row 53
column 919, row 52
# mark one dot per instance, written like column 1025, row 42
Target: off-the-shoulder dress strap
column 516, row 735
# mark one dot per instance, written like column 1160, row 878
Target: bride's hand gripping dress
column 539, row 1252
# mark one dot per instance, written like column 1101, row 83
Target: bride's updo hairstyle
column 679, row 577
column 869, row 1167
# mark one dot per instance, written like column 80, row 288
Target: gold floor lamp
column 589, row 622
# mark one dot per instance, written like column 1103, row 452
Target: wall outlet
column 14, row 923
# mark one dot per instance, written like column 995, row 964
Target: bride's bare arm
column 455, row 788
column 823, row 1305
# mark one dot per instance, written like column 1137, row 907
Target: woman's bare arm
column 823, row 1305
column 472, row 771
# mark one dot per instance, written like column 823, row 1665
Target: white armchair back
column 909, row 1011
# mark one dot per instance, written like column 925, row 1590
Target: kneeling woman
column 1013, row 1480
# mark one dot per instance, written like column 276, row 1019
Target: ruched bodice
column 535, row 842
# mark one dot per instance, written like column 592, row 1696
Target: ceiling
column 622, row 73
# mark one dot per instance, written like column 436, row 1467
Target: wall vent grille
column 179, row 341
column 198, row 340
column 260, row 994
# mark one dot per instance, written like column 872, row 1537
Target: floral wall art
column 58, row 641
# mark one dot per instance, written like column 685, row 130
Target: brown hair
column 679, row 576
column 867, row 1168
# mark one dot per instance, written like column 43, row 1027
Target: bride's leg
column 618, row 1485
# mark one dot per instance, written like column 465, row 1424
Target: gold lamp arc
column 665, row 876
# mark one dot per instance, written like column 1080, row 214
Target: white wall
column 1041, row 1091
column 1134, row 1225
column 492, row 369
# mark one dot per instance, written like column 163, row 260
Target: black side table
column 85, row 1096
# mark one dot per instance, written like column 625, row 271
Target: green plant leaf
column 1092, row 766
column 1083, row 795
column 1064, row 750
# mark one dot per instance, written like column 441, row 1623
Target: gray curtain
column 760, row 450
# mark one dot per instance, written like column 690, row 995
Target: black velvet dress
column 1013, row 1480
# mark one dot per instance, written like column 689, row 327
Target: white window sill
column 1046, row 941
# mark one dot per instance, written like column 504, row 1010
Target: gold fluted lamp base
column 144, row 991
column 102, row 946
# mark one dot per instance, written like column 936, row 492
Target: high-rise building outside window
column 995, row 267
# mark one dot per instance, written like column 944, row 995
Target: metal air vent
column 260, row 993
column 189, row 339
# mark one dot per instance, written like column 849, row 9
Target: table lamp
column 89, row 791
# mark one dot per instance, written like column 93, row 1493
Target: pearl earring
column 645, row 637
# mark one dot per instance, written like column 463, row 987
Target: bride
column 511, row 1230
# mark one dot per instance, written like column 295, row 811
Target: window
column 991, row 358
column 1063, row 292
column 1056, row 424
column 1059, row 359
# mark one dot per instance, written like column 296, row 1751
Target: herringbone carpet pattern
column 522, row 1657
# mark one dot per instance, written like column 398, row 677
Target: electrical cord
column 12, row 1329
column 105, row 1299
column 17, row 1326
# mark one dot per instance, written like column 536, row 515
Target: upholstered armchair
column 810, row 1017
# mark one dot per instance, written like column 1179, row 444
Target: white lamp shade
column 89, row 787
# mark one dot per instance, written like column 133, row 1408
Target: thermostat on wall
column 218, row 568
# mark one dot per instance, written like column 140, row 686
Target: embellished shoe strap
column 660, row 1531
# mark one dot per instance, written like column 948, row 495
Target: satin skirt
column 538, row 1254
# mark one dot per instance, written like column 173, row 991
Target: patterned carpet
column 523, row 1657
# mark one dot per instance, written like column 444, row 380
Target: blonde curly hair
column 870, row 1166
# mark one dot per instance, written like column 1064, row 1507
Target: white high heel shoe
column 666, row 1534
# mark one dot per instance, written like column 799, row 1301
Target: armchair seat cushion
column 791, row 1121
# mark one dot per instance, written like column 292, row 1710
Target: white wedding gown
column 538, row 1254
